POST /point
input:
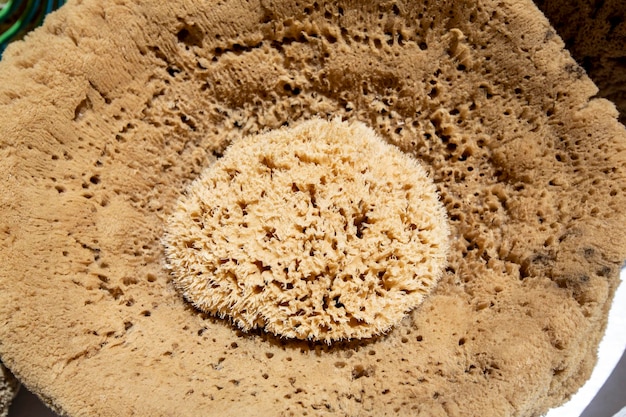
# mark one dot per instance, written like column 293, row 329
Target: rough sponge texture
column 8, row 389
column 113, row 107
column 594, row 31
column 321, row 232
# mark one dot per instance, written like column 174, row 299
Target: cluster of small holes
column 440, row 134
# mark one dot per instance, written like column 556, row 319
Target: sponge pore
column 319, row 232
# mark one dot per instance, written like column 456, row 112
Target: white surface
column 609, row 353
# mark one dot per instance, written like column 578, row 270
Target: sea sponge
column 113, row 107
column 321, row 231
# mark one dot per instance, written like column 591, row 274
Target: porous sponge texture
column 113, row 107
column 321, row 232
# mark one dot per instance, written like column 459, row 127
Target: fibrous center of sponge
column 321, row 232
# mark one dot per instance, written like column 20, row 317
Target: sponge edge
column 321, row 232
column 8, row 390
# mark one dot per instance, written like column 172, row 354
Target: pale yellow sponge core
column 321, row 232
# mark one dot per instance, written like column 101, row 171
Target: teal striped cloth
column 19, row 17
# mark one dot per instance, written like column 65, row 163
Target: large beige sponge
column 319, row 232
column 114, row 107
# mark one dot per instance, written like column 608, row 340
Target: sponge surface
column 112, row 108
column 321, row 232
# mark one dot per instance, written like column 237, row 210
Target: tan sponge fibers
column 322, row 232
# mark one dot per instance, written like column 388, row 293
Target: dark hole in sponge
column 190, row 35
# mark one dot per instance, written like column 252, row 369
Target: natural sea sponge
column 112, row 108
column 320, row 232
